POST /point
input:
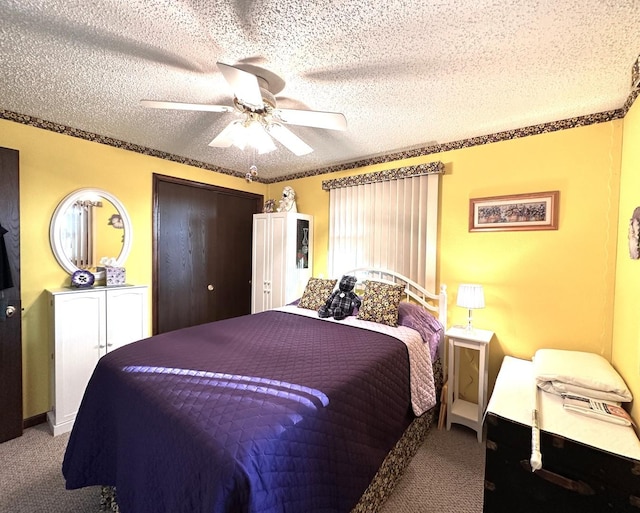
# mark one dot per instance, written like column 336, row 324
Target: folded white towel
column 588, row 374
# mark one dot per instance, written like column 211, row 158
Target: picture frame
column 517, row 212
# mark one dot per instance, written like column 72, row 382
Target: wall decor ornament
column 288, row 200
column 533, row 211
column 269, row 206
column 634, row 234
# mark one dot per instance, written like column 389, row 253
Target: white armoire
column 85, row 325
column 282, row 258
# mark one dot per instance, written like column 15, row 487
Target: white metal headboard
column 414, row 292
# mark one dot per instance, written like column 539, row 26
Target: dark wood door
column 202, row 253
column 10, row 323
column 233, row 254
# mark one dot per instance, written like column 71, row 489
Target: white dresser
column 282, row 258
column 85, row 325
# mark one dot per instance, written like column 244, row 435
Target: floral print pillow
column 380, row 302
column 316, row 293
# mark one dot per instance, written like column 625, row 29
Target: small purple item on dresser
column 418, row 318
column 82, row 279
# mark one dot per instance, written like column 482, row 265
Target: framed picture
column 536, row 211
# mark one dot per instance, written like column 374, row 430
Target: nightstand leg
column 482, row 388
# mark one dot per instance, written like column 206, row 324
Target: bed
column 279, row 411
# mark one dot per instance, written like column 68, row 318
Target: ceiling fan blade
column 312, row 118
column 288, row 139
column 228, row 135
column 185, row 106
column 244, row 85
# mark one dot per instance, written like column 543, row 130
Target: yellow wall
column 626, row 332
column 542, row 288
column 51, row 166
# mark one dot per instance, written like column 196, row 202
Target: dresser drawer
column 574, row 477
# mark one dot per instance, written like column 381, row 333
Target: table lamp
column 470, row 296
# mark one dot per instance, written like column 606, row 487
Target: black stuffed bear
column 341, row 302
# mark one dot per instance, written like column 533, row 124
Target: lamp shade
column 470, row 296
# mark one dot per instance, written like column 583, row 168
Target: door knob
column 209, row 287
column 10, row 310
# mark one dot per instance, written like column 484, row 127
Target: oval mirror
column 90, row 225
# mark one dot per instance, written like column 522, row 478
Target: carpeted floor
column 31, row 480
column 445, row 476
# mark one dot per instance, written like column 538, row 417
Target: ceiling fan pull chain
column 253, row 169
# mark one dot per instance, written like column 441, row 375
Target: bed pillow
column 316, row 293
column 420, row 319
column 380, row 302
column 588, row 374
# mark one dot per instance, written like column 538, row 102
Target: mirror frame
column 55, row 228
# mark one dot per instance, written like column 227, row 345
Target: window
column 386, row 220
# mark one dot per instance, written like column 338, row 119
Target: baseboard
column 34, row 421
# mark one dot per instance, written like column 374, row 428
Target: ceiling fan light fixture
column 249, row 134
column 254, row 135
column 228, row 136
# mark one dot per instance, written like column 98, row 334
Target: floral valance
column 429, row 168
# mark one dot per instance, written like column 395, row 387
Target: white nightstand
column 458, row 410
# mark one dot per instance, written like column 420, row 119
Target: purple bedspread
column 271, row 412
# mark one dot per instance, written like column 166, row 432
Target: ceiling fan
column 254, row 91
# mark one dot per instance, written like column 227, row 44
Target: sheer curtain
column 388, row 223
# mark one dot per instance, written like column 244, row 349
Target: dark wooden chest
column 575, row 476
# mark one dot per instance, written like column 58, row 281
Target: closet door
column 232, row 254
column 186, row 222
column 202, row 252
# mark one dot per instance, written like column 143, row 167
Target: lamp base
column 469, row 324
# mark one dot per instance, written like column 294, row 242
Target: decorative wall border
column 517, row 133
column 553, row 126
column 110, row 141
column 635, row 73
column 430, row 168
column 630, row 99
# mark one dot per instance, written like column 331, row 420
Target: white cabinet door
column 127, row 316
column 279, row 237
column 261, row 272
column 277, row 278
column 79, row 341
column 85, row 324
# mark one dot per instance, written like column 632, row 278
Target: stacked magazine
column 595, row 408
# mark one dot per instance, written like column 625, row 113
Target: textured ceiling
column 405, row 73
